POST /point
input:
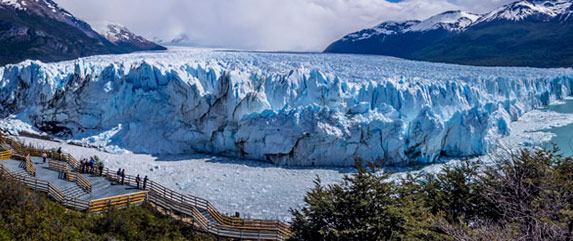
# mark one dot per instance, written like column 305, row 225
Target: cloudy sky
column 289, row 25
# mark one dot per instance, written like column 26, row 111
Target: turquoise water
column 564, row 138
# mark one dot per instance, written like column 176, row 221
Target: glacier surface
column 288, row 109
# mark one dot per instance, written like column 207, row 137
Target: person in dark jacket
column 60, row 153
column 137, row 180
column 101, row 168
column 92, row 166
column 118, row 175
column 122, row 176
column 145, row 182
column 84, row 165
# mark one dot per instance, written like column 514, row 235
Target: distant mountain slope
column 39, row 29
column 524, row 33
column 401, row 39
column 504, row 43
column 126, row 40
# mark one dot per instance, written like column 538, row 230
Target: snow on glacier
column 288, row 109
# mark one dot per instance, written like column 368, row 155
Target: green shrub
column 523, row 196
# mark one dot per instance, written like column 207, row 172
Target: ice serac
column 290, row 109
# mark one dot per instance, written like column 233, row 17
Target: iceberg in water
column 289, row 109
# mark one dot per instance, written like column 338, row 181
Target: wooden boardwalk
column 95, row 193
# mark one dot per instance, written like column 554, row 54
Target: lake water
column 564, row 138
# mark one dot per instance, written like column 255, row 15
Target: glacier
column 285, row 108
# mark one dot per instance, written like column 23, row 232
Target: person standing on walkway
column 60, row 153
column 137, row 180
column 44, row 157
column 145, row 182
column 118, row 174
column 122, row 176
column 92, row 166
column 101, row 168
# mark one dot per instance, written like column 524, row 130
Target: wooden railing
column 118, row 201
column 46, row 187
column 83, row 182
column 189, row 206
column 72, row 176
column 30, row 168
column 56, row 165
column 5, row 155
column 72, row 161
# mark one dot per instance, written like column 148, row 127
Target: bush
column 524, row 196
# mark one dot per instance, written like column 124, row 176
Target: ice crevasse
column 289, row 109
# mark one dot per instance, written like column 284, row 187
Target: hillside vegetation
column 527, row 196
column 27, row 215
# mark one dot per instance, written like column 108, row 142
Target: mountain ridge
column 41, row 30
column 474, row 40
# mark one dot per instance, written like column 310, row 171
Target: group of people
column 45, row 155
column 91, row 166
column 121, row 179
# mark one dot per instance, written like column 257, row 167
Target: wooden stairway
column 22, row 172
column 74, row 191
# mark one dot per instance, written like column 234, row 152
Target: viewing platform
column 101, row 186
column 98, row 192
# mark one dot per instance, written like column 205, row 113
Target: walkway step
column 208, row 216
column 22, row 173
column 74, row 191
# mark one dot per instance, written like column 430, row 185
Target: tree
column 362, row 207
column 526, row 195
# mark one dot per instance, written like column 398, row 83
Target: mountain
column 524, row 33
column 126, row 40
column 535, row 34
column 401, row 39
column 41, row 30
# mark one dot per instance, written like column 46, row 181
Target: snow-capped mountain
column 453, row 21
column 500, row 37
column 48, row 9
column 400, row 39
column 41, row 30
column 518, row 11
column 293, row 109
column 124, row 38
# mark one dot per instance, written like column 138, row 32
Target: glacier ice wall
column 290, row 109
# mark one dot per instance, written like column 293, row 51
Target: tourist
column 101, row 168
column 145, row 182
column 60, row 153
column 118, row 175
column 44, row 157
column 137, row 180
column 92, row 166
column 122, row 176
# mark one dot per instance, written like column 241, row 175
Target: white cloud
column 297, row 25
